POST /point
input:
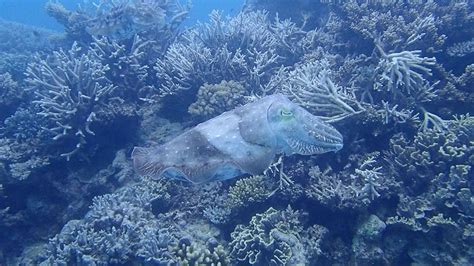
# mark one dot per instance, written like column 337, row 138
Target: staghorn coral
column 127, row 64
column 247, row 48
column 128, row 67
column 212, row 100
column 403, row 72
column 70, row 87
column 327, row 188
column 311, row 85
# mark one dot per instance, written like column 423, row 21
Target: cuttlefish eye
column 286, row 113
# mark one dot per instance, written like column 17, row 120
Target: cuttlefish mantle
column 241, row 141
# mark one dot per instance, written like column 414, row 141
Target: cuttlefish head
column 298, row 131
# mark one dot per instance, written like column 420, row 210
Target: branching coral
column 403, row 72
column 461, row 49
column 246, row 48
column 311, row 85
column 353, row 188
column 328, row 189
column 128, row 66
column 367, row 66
column 69, row 87
column 398, row 26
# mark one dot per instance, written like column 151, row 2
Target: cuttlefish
column 242, row 141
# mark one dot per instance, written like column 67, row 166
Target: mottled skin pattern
column 242, row 141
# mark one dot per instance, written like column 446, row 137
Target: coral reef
column 248, row 191
column 395, row 77
column 19, row 43
column 121, row 19
column 128, row 66
column 402, row 72
column 125, row 226
column 119, row 227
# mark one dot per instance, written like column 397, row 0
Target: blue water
column 288, row 132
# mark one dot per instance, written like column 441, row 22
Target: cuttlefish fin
column 144, row 163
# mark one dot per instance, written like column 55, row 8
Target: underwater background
column 82, row 84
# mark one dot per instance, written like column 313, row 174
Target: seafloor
column 396, row 78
